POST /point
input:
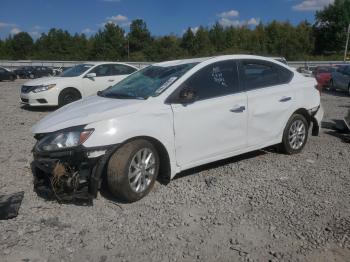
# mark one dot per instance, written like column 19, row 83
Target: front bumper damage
column 72, row 175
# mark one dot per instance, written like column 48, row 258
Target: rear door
column 270, row 100
column 216, row 123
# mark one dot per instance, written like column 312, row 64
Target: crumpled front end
column 72, row 175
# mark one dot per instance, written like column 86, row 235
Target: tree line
column 325, row 39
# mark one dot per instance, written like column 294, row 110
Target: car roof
column 214, row 59
column 182, row 61
column 103, row 63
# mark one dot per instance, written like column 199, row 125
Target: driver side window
column 101, row 70
column 214, row 80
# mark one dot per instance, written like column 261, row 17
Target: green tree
column 2, row 50
column 109, row 44
column 202, row 44
column 80, row 47
column 330, row 27
column 231, row 39
column 304, row 40
column 8, row 52
column 166, row 48
column 281, row 39
column 56, row 45
column 139, row 36
column 187, row 42
column 22, row 45
column 217, row 37
column 259, row 40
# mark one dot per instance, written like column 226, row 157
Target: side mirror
column 187, row 96
column 90, row 75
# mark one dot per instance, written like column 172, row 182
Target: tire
column 298, row 128
column 68, row 96
column 349, row 90
column 331, row 85
column 123, row 179
column 31, row 76
column 12, row 78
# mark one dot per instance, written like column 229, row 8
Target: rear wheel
column 68, row 96
column 295, row 134
column 132, row 170
column 349, row 90
column 331, row 85
column 12, row 78
column 31, row 76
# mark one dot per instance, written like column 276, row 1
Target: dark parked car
column 6, row 74
column 33, row 71
column 22, row 72
column 341, row 79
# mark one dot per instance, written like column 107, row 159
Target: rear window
column 259, row 74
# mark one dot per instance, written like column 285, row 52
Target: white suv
column 73, row 84
column 170, row 117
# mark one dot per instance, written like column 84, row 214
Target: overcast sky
column 161, row 16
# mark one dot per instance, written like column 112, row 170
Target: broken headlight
column 63, row 139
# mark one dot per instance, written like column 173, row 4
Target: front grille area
column 27, row 89
column 42, row 101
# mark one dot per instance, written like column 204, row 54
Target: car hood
column 47, row 80
column 86, row 111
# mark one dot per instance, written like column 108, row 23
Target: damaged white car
column 170, row 117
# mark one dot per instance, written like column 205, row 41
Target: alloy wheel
column 297, row 134
column 141, row 170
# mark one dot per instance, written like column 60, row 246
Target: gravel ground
column 262, row 206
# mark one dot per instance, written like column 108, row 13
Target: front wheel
column 295, row 135
column 68, row 96
column 132, row 170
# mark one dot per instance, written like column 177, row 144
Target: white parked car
column 170, row 117
column 73, row 84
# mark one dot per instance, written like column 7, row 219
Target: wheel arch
column 164, row 158
column 300, row 111
column 304, row 113
column 70, row 88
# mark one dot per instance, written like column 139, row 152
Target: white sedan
column 173, row 116
column 73, row 84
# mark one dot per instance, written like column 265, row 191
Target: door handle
column 285, row 99
column 238, row 109
column 110, row 80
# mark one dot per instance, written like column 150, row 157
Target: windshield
column 150, row 81
column 76, row 70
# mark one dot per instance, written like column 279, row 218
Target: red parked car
column 323, row 75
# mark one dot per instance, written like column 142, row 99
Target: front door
column 118, row 72
column 100, row 82
column 215, row 124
